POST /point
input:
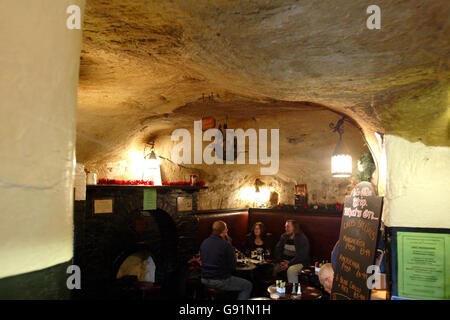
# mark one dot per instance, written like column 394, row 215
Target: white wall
column 418, row 184
column 39, row 63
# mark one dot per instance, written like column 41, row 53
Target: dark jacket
column 249, row 244
column 301, row 247
column 218, row 259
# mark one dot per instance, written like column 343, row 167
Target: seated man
column 219, row 261
column 326, row 275
column 292, row 251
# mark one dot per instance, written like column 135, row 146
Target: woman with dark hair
column 257, row 240
column 292, row 251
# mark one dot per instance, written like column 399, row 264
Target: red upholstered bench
column 322, row 229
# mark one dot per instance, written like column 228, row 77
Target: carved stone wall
column 103, row 241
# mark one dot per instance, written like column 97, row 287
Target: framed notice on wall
column 421, row 263
column 102, row 206
column 184, row 204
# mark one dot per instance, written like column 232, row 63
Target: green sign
column 149, row 199
column 423, row 265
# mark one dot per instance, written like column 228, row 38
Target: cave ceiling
column 149, row 65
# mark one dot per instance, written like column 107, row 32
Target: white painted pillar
column 39, row 63
column 418, row 184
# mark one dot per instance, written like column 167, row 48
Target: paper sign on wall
column 423, row 260
column 149, row 199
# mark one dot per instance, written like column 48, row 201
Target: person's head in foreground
column 326, row 275
column 219, row 228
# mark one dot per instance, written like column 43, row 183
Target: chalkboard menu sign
column 357, row 244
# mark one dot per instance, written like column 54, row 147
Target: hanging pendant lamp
column 341, row 161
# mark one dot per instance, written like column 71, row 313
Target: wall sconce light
column 341, row 161
column 262, row 194
column 258, row 183
column 152, row 167
column 257, row 194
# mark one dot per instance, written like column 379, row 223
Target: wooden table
column 308, row 292
column 248, row 267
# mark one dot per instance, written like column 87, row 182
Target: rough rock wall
column 142, row 60
column 306, row 144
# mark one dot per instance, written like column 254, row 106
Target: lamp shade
column 341, row 161
column 152, row 160
column 152, row 169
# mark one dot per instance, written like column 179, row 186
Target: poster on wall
column 423, row 265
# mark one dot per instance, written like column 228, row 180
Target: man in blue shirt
column 219, row 261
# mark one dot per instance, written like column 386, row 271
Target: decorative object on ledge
column 91, row 178
column 147, row 183
column 317, row 208
column 183, row 183
column 341, row 161
column 301, row 195
column 193, row 178
column 125, row 182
